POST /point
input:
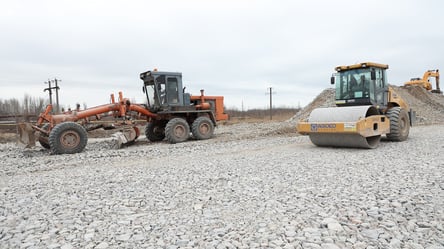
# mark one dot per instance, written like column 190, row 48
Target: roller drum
column 338, row 115
column 344, row 140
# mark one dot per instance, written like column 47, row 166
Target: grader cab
column 177, row 112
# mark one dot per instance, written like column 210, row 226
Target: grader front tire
column 67, row 138
column 43, row 138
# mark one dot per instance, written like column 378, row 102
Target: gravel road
column 252, row 186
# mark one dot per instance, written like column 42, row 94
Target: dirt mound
column 429, row 107
column 325, row 99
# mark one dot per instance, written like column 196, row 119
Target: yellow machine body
column 425, row 81
column 363, row 113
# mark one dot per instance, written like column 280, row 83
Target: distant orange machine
column 425, row 81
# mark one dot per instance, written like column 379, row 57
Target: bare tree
column 29, row 106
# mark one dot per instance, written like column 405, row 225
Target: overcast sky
column 234, row 48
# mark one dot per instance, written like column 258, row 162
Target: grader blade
column 125, row 137
column 26, row 135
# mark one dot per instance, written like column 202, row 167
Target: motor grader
column 425, row 81
column 366, row 108
column 169, row 112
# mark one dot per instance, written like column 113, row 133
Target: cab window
column 172, row 90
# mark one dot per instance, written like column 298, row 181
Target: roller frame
column 364, row 127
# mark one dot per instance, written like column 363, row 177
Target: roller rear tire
column 399, row 124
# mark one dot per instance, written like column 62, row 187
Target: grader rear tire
column 399, row 124
column 68, row 138
column 177, row 130
column 155, row 132
column 202, row 128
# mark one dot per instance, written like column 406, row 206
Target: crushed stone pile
column 325, row 99
column 258, row 192
column 429, row 107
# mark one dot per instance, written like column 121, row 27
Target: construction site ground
column 254, row 185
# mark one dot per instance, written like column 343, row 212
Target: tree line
column 279, row 113
column 27, row 107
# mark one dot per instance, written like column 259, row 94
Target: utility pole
column 49, row 89
column 57, row 95
column 242, row 110
column 56, row 88
column 271, row 101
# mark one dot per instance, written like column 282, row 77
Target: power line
column 56, row 88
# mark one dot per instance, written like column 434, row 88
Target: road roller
column 367, row 107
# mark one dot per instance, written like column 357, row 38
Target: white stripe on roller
column 341, row 114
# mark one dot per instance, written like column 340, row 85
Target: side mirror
column 332, row 80
column 373, row 74
column 143, row 89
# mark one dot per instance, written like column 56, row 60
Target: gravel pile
column 429, row 107
column 325, row 99
column 249, row 187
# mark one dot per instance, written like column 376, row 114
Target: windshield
column 353, row 84
column 162, row 91
column 155, row 97
column 150, row 95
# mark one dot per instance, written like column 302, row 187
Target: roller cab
column 366, row 108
